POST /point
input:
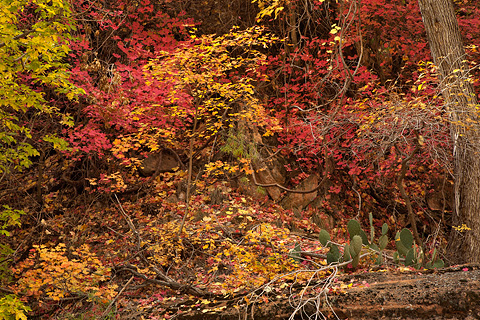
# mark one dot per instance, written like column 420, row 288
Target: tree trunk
column 460, row 102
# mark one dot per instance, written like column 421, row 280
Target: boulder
column 299, row 201
column 162, row 161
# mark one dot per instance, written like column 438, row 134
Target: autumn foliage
column 148, row 159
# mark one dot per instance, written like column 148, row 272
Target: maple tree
column 266, row 124
column 34, row 41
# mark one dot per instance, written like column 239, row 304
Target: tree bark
column 460, row 102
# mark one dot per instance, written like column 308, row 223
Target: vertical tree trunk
column 460, row 101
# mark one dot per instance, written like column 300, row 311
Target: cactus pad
column 384, row 229
column 324, row 237
column 355, row 246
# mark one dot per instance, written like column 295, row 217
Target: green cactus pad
column 346, row 253
column 364, row 237
column 355, row 229
column 384, row 229
column 295, row 253
column 438, row 264
column 372, row 229
column 396, row 258
column 355, row 261
column 434, row 254
column 355, row 246
column 406, row 238
column 410, row 258
column 402, row 250
column 334, row 254
column 383, row 242
column 324, row 237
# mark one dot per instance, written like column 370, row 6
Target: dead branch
column 167, row 282
column 403, row 192
column 269, row 185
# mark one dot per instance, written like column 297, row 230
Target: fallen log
column 451, row 293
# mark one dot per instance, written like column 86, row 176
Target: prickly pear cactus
column 355, row 246
column 346, row 253
column 334, row 254
column 324, row 237
column 295, row 253
column 404, row 241
column 354, row 229
column 384, row 229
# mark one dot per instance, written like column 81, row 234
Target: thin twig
column 189, row 179
column 168, row 282
column 19, row 36
column 403, row 192
column 104, row 314
column 130, row 223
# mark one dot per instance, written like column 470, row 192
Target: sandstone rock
column 300, row 201
column 442, row 196
column 268, row 173
column 162, row 161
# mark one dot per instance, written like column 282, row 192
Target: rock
column 299, row 201
column 172, row 198
column 269, row 173
column 162, row 161
column 441, row 198
column 219, row 194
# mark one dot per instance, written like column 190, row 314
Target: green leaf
column 12, row 308
column 58, row 143
column 41, row 58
